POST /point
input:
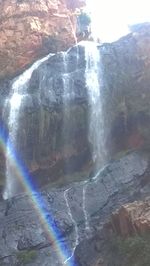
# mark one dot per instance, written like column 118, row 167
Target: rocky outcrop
column 32, row 29
column 133, row 218
column 78, row 210
column 124, row 240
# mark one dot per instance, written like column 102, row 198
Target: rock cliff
column 32, row 29
column 126, row 72
column 54, row 134
column 78, row 210
column 53, row 140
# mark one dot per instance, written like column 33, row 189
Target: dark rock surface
column 78, row 210
column 126, row 72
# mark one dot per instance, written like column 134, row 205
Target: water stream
column 13, row 104
column 93, row 77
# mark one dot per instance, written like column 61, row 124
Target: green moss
column 121, row 154
column 2, row 180
column 133, row 251
column 69, row 178
column 27, row 256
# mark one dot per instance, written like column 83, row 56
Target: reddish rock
column 31, row 29
column 133, row 218
column 73, row 4
column 135, row 140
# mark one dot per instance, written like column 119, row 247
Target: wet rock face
column 32, row 29
column 78, row 210
column 57, row 137
column 52, row 138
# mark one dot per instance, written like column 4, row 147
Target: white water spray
column 86, row 217
column 74, row 223
column 66, row 88
column 67, row 96
column 19, row 93
column 96, row 116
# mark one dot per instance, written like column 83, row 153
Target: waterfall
column 20, row 95
column 66, row 109
column 74, row 223
column 93, row 77
column 66, row 89
column 68, row 95
column 13, row 104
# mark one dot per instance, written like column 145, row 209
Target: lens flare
column 53, row 233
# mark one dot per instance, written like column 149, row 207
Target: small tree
column 84, row 22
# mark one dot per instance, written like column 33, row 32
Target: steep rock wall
column 53, row 135
column 126, row 82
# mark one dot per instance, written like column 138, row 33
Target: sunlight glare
column 110, row 19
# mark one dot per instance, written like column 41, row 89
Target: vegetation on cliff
column 132, row 251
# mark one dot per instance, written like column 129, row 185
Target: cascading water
column 66, row 109
column 19, row 95
column 68, row 96
column 96, row 118
column 96, row 126
column 66, row 91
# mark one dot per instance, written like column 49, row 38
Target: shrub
column 133, row 251
column 27, row 256
column 84, row 19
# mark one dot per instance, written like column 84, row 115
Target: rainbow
column 65, row 256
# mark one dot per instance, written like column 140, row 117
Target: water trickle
column 68, row 95
column 86, row 216
column 93, row 77
column 65, row 109
column 74, row 223
column 19, row 95
column 66, row 87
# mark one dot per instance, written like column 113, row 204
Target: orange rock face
column 133, row 218
column 31, row 29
